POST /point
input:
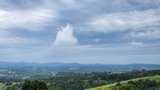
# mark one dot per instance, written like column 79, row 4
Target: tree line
column 81, row 81
column 142, row 84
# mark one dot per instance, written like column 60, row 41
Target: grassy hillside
column 108, row 87
column 81, row 81
column 2, row 86
column 8, row 87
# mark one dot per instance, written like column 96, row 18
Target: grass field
column 105, row 87
column 4, row 87
column 109, row 86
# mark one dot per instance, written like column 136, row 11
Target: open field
column 4, row 86
column 109, row 86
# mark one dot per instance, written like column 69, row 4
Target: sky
column 80, row 31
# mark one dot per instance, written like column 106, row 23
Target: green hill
column 109, row 86
column 10, row 86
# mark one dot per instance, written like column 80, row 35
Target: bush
column 34, row 85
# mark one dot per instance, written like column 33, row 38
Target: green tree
column 34, row 85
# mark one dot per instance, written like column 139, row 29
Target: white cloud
column 69, row 3
column 124, row 20
column 96, row 40
column 133, row 43
column 149, row 34
column 65, row 36
column 11, row 40
column 30, row 19
column 7, row 38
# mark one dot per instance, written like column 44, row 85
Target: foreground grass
column 4, row 87
column 105, row 87
column 109, row 86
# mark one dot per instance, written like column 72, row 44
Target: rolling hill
column 109, row 86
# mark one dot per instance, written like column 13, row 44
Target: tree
column 34, row 85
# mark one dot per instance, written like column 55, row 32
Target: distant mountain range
column 29, row 69
column 57, row 64
column 33, row 64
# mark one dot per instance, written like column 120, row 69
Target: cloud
column 96, row 40
column 11, row 40
column 124, row 20
column 147, row 34
column 31, row 19
column 7, row 38
column 69, row 3
column 133, row 43
column 65, row 36
column 95, row 45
